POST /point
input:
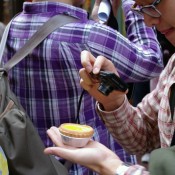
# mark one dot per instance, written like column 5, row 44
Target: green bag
column 162, row 161
column 18, row 137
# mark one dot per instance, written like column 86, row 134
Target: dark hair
column 167, row 48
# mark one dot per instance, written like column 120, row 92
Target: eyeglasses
column 150, row 10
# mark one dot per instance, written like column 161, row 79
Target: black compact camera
column 109, row 82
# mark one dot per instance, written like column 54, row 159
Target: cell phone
column 109, row 82
column 104, row 11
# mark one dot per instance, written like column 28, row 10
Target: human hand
column 94, row 155
column 94, row 13
column 114, row 3
column 92, row 64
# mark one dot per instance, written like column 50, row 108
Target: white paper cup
column 73, row 141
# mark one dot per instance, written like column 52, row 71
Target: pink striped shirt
column 149, row 125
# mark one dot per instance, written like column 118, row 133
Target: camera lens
column 105, row 89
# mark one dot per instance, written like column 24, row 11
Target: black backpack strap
column 172, row 106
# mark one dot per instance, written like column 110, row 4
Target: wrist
column 122, row 169
column 109, row 167
column 113, row 105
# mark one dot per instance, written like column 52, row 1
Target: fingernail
column 96, row 70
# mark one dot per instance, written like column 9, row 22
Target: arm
column 137, row 57
column 94, row 155
column 136, row 29
column 136, row 129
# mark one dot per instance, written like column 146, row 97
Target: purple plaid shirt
column 47, row 80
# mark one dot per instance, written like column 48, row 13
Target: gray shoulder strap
column 4, row 40
column 48, row 27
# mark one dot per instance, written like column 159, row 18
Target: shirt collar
column 55, row 7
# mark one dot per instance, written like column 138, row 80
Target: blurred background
column 9, row 8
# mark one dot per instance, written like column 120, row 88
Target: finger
column 102, row 63
column 86, row 81
column 55, row 136
column 85, row 86
column 87, row 60
column 99, row 62
column 85, row 76
column 67, row 154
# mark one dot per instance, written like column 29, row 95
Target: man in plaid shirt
column 138, row 129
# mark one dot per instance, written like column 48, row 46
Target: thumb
column 64, row 153
column 51, row 150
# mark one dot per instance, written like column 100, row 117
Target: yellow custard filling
column 75, row 128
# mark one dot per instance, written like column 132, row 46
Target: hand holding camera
column 109, row 82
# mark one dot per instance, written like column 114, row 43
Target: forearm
column 145, row 38
column 131, row 127
column 109, row 167
column 111, row 105
column 136, row 29
column 134, row 62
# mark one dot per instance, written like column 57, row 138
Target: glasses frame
column 143, row 10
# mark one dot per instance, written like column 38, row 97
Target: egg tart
column 76, row 135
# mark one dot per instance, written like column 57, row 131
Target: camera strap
column 77, row 119
column 172, row 106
